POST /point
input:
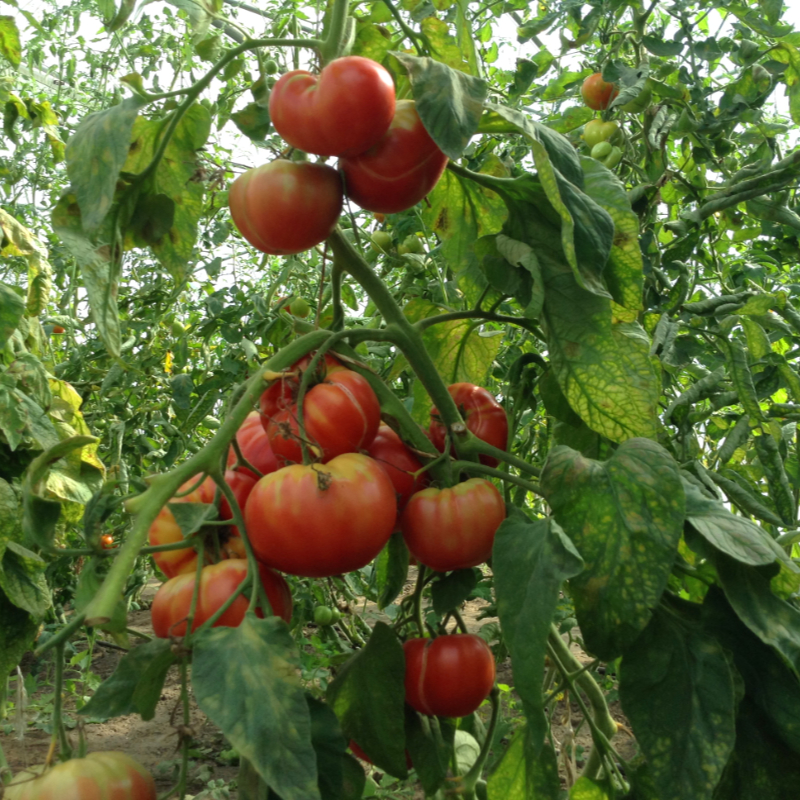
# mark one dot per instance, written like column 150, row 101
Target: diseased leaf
column 12, row 307
column 10, row 45
column 521, row 775
column 625, row 518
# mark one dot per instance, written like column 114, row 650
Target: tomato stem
column 481, row 469
column 332, row 46
column 58, row 704
column 471, row 778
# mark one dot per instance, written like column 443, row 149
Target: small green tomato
column 299, row 307
column 602, row 150
column 614, row 157
column 381, row 241
column 323, row 616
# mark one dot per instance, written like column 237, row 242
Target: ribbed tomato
column 218, row 582
column 322, row 520
column 341, row 414
column 100, row 776
column 165, row 529
column 285, row 207
column 449, row 676
column 399, row 170
column 400, row 463
column 452, row 528
column 484, row 416
column 255, row 446
column 343, row 111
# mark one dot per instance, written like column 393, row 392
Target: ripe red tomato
column 453, row 528
column 484, row 416
column 449, row 676
column 596, row 93
column 399, row 170
column 320, row 520
column 341, row 413
column 58, row 329
column 218, row 582
column 255, row 447
column 166, row 530
column 343, row 112
column 107, row 541
column 100, row 776
column 286, row 207
column 388, row 450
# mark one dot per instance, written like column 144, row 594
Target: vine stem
column 58, row 704
column 162, row 487
column 469, row 780
column 471, row 466
column 331, row 48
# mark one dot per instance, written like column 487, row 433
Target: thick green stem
column 331, row 48
column 471, row 466
column 58, row 705
column 147, row 505
column 471, row 778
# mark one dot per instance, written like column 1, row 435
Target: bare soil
column 154, row 743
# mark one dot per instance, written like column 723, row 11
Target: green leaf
column 659, row 47
column 23, row 581
column 367, row 696
column 99, row 276
column 253, row 121
column 777, row 480
column 430, row 754
column 449, row 102
column 10, row 45
column 455, row 359
column 95, row 154
column 371, row 41
column 530, row 561
column 773, row 620
column 522, row 776
column 625, row 518
column 587, row 789
column 135, row 685
column 19, row 241
column 521, row 256
column 730, row 533
column 677, row 690
column 460, row 212
column 12, row 307
column 391, row 570
column 18, row 630
column 89, row 583
column 191, row 516
column 245, row 679
column 452, row 590
column 788, row 54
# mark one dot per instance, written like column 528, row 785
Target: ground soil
column 154, row 743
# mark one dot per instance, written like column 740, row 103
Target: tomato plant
column 218, row 582
column 399, row 462
column 453, row 528
column 596, row 93
column 343, row 112
column 484, row 416
column 286, row 207
column 322, row 520
column 449, row 676
column 399, row 170
column 108, row 775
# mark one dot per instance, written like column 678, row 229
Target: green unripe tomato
column 382, row 241
column 596, row 131
column 177, row 329
column 323, row 616
column 271, row 67
column 337, row 615
column 614, row 157
column 640, row 102
column 413, row 244
column 300, row 307
column 602, row 150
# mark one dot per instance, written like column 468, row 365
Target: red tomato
column 99, row 776
column 218, row 582
column 282, row 393
column 107, row 541
column 449, row 676
column 341, row 414
column 343, row 112
column 453, row 528
column 286, row 207
column 596, row 93
column 484, row 416
column 400, row 170
column 388, row 450
column 166, row 530
column 319, row 520
column 255, row 447
column 58, row 329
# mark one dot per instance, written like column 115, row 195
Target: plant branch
column 481, row 469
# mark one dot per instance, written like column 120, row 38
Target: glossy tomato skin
column 255, row 447
column 391, row 453
column 282, row 393
column 341, row 415
column 322, row 520
column 449, row 676
column 165, row 529
column 596, row 93
column 100, row 776
column 286, row 207
column 453, row 528
column 400, row 170
column 218, row 582
column 343, row 112
column 484, row 416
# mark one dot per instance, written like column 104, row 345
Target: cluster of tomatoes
column 331, row 510
column 387, row 160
